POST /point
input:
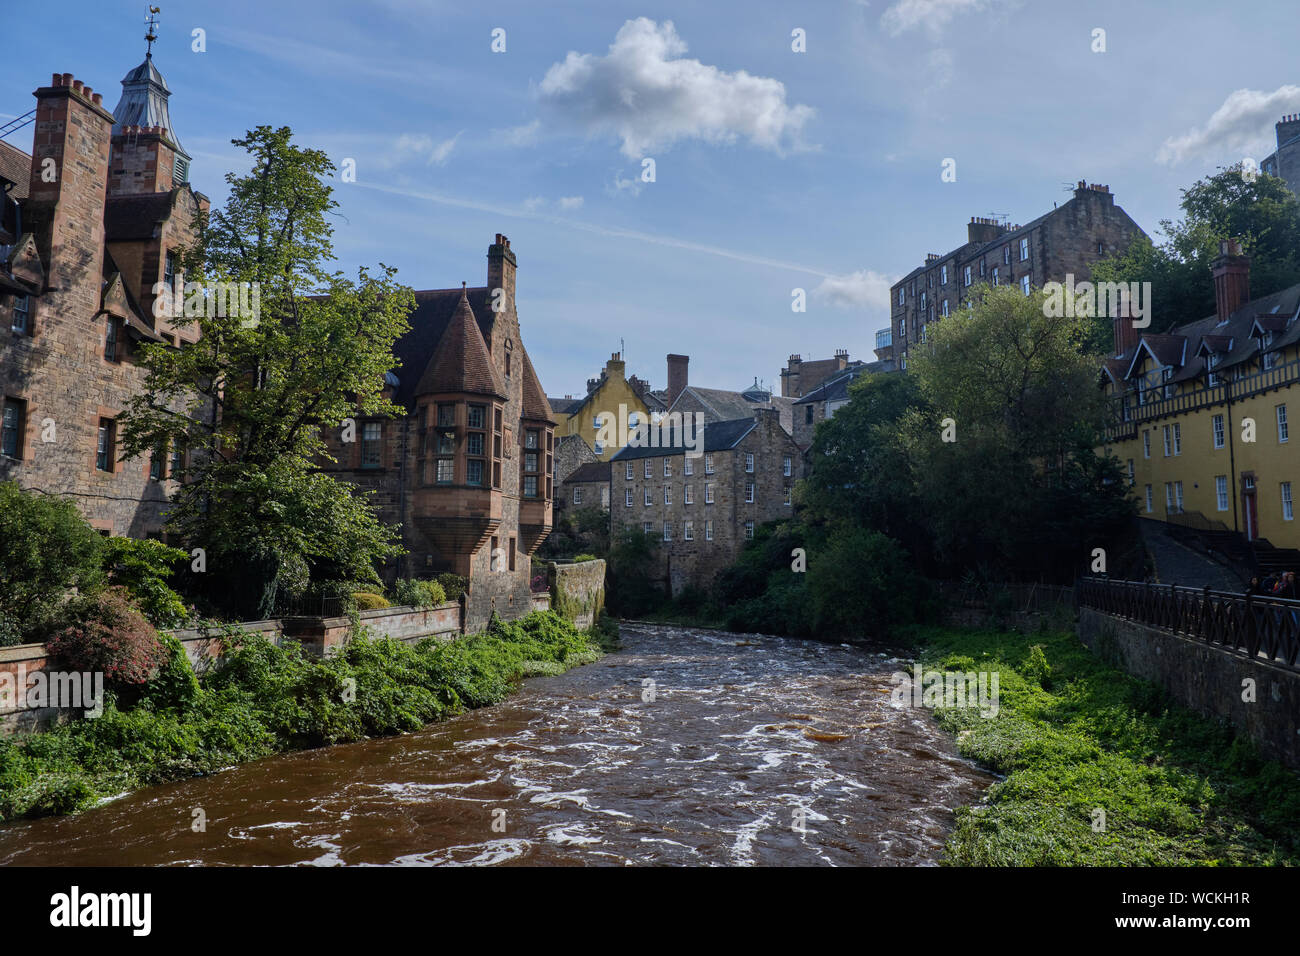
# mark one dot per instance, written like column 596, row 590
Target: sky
column 782, row 160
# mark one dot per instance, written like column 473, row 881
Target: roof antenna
column 152, row 21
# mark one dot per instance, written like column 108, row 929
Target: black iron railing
column 1255, row 626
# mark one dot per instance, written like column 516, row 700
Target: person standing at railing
column 1286, row 587
column 1255, row 588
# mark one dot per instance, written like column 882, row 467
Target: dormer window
column 1267, row 359
column 169, row 269
column 1212, row 362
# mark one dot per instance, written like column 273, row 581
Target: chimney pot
column 67, row 80
column 76, row 86
column 99, row 99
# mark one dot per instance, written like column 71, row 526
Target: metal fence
column 1256, row 626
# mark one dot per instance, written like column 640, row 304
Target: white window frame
column 688, row 495
column 708, row 529
column 787, row 466
column 1221, row 492
column 1178, row 439
column 1150, row 500
column 966, row 276
column 749, row 530
column 1024, row 284
column 1178, row 495
column 649, row 468
column 688, row 467
column 649, row 498
column 1164, row 434
column 943, row 275
column 749, row 462
column 668, row 494
column 577, row 495
column 629, row 471
column 627, row 498
column 688, row 531
column 668, row 531
column 1216, row 426
column 668, row 467
column 1024, row 250
column 1288, row 502
column 1146, row 443
column 749, row 492
column 944, row 308
column 708, row 493
column 1283, row 428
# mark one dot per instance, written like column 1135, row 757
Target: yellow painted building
column 612, row 394
column 1205, row 416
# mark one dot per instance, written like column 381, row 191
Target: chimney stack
column 677, row 376
column 1125, row 334
column 501, row 273
column 1231, row 272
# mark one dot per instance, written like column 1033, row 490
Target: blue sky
column 775, row 170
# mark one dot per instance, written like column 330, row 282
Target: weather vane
column 152, row 22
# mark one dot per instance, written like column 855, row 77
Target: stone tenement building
column 1182, row 402
column 1069, row 239
column 91, row 220
column 703, row 509
column 467, row 472
column 798, row 378
column 1284, row 162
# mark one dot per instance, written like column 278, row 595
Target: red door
column 1248, row 506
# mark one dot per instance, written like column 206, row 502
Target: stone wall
column 577, row 590
column 319, row 636
column 1207, row 679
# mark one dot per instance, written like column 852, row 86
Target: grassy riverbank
column 1073, row 735
column 268, row 699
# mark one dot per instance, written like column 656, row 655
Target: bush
column 584, row 557
column 46, row 548
column 142, row 567
column 365, row 601
column 453, row 585
column 861, row 584
column 107, row 634
column 418, row 593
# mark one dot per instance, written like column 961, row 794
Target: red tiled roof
column 535, row 405
column 461, row 362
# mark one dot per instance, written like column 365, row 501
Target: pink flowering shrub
column 107, row 634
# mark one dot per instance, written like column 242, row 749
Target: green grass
column 1073, row 734
column 267, row 699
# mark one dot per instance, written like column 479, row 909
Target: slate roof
column 591, row 471
column 461, row 361
column 563, row 406
column 836, row 387
column 15, row 166
column 1181, row 345
column 135, row 217
column 718, row 436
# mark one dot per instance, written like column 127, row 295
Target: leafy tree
column 633, row 581
column 257, row 391
column 861, row 584
column 1018, row 486
column 860, row 469
column 1263, row 212
column 46, row 548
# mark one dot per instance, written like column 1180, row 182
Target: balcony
column 1163, row 401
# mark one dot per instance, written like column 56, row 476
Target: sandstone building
column 91, row 219
column 468, row 470
column 703, row 509
column 1067, row 240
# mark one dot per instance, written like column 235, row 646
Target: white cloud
column 525, row 135
column 863, row 289
column 644, row 92
column 940, row 68
column 1242, row 126
column 422, row 146
column 907, row 15
column 570, row 202
column 534, row 203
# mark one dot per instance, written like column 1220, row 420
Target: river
column 744, row 750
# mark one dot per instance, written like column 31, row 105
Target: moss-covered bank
column 267, row 699
column 1073, row 735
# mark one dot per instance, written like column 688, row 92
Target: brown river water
column 722, row 767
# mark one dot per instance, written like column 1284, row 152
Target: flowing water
column 744, row 750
